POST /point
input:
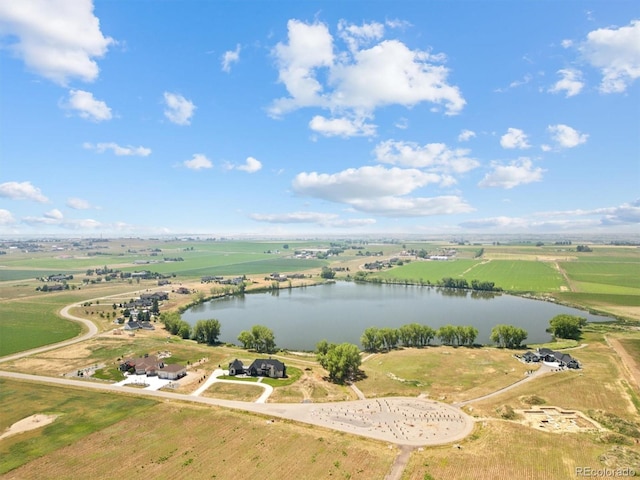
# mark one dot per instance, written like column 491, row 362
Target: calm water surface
column 340, row 312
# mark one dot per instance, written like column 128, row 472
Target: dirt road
column 627, row 360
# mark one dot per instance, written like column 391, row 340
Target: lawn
column 234, row 391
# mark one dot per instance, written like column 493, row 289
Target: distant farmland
column 512, row 275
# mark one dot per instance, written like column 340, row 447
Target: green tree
column 426, row 335
column 389, row 337
column 448, row 335
column 155, row 307
column 327, row 273
column 246, row 339
column 371, row 340
column 508, row 336
column 322, row 347
column 467, row 335
column 184, row 331
column 206, row 331
column 341, row 361
column 567, row 326
column 263, row 339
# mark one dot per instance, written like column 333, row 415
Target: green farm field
column 29, row 325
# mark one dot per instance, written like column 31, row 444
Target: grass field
column 80, row 413
column 443, row 373
column 185, row 441
column 591, row 388
column 28, row 325
column 501, row 450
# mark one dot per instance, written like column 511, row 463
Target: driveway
column 213, row 378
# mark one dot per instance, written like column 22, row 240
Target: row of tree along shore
column 446, row 282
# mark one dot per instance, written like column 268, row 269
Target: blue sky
column 292, row 118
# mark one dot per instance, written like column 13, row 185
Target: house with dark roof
column 548, row 355
column 132, row 325
column 267, row 368
column 236, row 368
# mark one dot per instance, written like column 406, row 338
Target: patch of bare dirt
column 30, row 423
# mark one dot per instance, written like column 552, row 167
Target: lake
column 340, row 312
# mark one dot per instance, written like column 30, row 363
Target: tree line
column 259, row 338
column 204, row 331
column 375, row 339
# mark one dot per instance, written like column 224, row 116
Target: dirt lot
column 30, row 423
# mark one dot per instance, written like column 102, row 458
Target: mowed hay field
column 441, row 372
column 169, row 441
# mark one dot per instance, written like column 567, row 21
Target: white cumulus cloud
column 230, row 57
column 514, row 138
column 78, row 203
column 570, row 82
column 251, row 165
column 198, row 162
column 178, row 109
column 379, row 190
column 22, row 191
column 358, row 35
column 371, row 73
column 58, row 39
column 342, row 127
column 615, row 51
column 364, row 182
column 566, row 137
column 466, row 135
column 118, row 149
column 6, row 218
column 435, row 156
column 87, row 107
column 518, row 172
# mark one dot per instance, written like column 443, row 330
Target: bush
column 533, row 400
column 615, row 423
column 507, row 412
